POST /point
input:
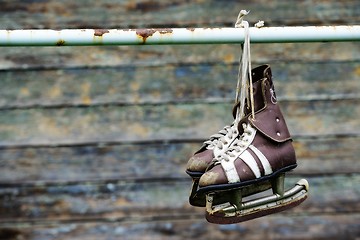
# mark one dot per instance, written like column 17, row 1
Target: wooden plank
column 331, row 227
column 139, row 191
column 327, row 155
column 164, row 84
column 124, row 14
column 80, row 57
column 165, row 199
column 162, row 122
column 310, row 118
column 84, row 163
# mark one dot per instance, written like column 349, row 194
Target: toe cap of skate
column 212, row 178
column 196, row 164
column 200, row 161
column 208, row 178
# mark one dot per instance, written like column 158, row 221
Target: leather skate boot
column 213, row 147
column 220, row 142
column 257, row 160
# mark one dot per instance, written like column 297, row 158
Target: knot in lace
column 244, row 88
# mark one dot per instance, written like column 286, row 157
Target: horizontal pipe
column 154, row 36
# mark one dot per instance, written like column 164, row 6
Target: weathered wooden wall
column 94, row 140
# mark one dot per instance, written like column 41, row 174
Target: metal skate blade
column 198, row 199
column 228, row 214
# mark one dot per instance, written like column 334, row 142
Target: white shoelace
column 244, row 77
column 225, row 137
column 222, row 139
column 239, row 144
column 244, row 82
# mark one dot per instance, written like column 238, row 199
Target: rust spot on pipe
column 165, row 30
column 100, row 32
column 191, row 29
column 145, row 33
column 61, row 42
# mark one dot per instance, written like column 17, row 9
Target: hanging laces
column 244, row 83
column 244, row 90
column 244, row 75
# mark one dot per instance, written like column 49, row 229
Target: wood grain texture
column 94, row 140
column 125, row 14
column 162, row 122
column 171, row 83
column 316, row 156
column 15, row 58
column 134, row 200
column 340, row 226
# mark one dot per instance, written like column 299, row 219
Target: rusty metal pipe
column 155, row 36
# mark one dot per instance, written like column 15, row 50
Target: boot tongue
column 268, row 117
column 258, row 74
column 261, row 72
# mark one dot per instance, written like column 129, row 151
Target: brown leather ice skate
column 216, row 145
column 256, row 161
column 220, row 142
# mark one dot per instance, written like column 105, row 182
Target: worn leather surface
column 270, row 121
column 272, row 138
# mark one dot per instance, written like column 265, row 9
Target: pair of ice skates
column 248, row 157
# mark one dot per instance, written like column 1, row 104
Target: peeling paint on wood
column 87, row 57
column 320, row 155
column 196, row 83
column 340, row 226
column 163, row 122
column 127, row 200
column 126, row 14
